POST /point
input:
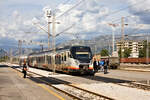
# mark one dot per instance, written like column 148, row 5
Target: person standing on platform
column 24, row 69
column 102, row 65
column 95, row 65
column 106, row 63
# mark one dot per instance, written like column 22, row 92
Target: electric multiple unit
column 74, row 59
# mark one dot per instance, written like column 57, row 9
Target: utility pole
column 147, row 51
column 113, row 40
column 49, row 16
column 95, row 48
column 108, row 47
column 53, row 44
column 20, row 47
column 10, row 54
column 113, row 37
column 122, row 39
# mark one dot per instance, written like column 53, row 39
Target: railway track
column 136, row 85
column 76, row 93
column 133, row 84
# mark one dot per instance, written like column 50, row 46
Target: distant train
column 74, row 59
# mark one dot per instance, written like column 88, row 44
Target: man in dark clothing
column 95, row 65
column 106, row 63
column 24, row 70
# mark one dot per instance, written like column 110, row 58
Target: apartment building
column 134, row 46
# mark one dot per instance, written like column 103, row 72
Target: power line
column 118, row 19
column 71, row 8
column 117, row 11
column 104, row 15
column 66, row 2
column 66, row 29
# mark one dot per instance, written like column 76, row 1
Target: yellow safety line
column 21, row 75
column 61, row 98
column 50, row 91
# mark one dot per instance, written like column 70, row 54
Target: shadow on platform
column 15, row 67
column 105, row 79
column 48, row 80
column 2, row 66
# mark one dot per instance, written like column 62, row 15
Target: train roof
column 49, row 51
column 57, row 50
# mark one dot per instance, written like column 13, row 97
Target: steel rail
column 136, row 85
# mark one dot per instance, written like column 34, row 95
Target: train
column 70, row 59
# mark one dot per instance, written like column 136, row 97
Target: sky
column 85, row 19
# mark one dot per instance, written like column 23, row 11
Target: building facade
column 134, row 46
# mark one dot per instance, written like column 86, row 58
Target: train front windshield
column 81, row 53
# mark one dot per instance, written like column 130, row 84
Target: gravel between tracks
column 117, row 92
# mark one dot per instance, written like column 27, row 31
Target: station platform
column 14, row 87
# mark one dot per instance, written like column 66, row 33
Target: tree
column 119, row 53
column 104, row 52
column 126, row 52
column 142, row 52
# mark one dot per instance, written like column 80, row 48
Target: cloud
column 87, row 18
column 141, row 8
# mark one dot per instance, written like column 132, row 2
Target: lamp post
column 113, row 36
column 48, row 13
column 122, row 39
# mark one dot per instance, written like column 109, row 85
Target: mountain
column 103, row 41
column 96, row 44
column 2, row 52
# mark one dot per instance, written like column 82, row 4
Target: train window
column 68, row 54
column 49, row 59
column 56, row 60
column 42, row 59
column 38, row 59
column 65, row 57
column 62, row 58
column 59, row 59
